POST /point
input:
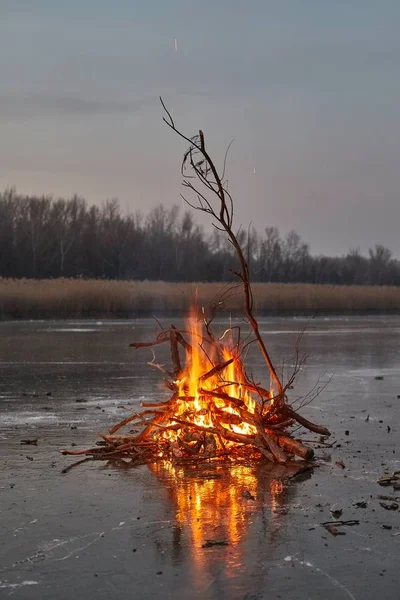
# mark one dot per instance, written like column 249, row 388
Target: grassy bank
column 69, row 298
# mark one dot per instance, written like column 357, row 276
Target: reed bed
column 71, row 298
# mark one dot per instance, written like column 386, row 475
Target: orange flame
column 213, row 390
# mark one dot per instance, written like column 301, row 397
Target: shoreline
column 181, row 315
column 91, row 299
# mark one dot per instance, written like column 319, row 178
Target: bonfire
column 216, row 410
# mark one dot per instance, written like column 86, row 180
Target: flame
column 200, row 362
column 213, row 390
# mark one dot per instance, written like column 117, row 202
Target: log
column 305, row 422
column 271, row 445
column 294, row 446
column 240, row 438
column 261, row 447
column 226, row 417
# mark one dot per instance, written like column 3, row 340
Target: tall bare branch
column 198, row 165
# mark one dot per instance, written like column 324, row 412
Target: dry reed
column 69, row 298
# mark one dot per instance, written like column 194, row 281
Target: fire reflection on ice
column 214, row 502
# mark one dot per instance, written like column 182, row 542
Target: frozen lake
column 99, row 532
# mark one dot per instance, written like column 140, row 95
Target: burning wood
column 216, row 410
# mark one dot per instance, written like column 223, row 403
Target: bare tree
column 43, row 237
column 271, row 254
column 34, row 228
column 66, row 219
column 380, row 262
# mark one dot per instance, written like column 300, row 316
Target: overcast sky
column 309, row 89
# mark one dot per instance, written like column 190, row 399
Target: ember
column 216, row 410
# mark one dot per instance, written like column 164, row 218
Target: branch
column 207, row 175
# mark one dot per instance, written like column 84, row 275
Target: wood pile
column 216, row 411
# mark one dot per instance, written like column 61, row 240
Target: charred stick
column 117, row 439
column 95, row 450
column 223, row 396
column 350, row 522
column 229, row 435
column 246, row 440
column 163, row 337
column 216, row 369
column 128, row 447
column 190, row 424
column 278, row 426
column 244, row 415
column 124, row 422
column 181, row 340
column 221, row 441
column 193, row 450
column 156, row 404
column 258, row 390
column 187, row 398
column 107, row 441
column 306, row 423
column 160, row 368
column 170, row 385
column 175, row 352
column 159, row 419
column 134, row 417
column 240, row 438
column 174, row 427
column 146, row 344
column 229, row 418
column 249, row 386
column 115, row 454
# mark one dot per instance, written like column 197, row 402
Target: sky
column 308, row 89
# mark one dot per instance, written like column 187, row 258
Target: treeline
column 42, row 237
